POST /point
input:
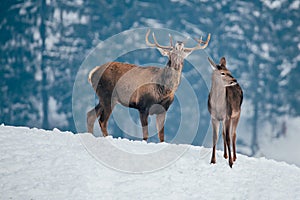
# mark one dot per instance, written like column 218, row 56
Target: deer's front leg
column 144, row 122
column 215, row 126
column 160, row 125
column 224, row 141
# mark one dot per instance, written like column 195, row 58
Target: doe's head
column 221, row 73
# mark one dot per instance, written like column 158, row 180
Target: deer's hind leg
column 227, row 126
column 235, row 122
column 92, row 115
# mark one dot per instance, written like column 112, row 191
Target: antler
column 200, row 41
column 155, row 44
column 171, row 40
column 212, row 63
column 155, row 41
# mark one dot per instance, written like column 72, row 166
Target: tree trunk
column 254, row 143
column 44, row 93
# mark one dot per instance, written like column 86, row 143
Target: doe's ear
column 212, row 64
column 163, row 52
column 223, row 61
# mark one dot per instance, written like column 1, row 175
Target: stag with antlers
column 150, row 90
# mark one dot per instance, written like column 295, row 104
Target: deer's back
column 127, row 84
column 108, row 74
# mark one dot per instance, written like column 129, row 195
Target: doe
column 224, row 104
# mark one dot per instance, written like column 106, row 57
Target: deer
column 149, row 89
column 224, row 105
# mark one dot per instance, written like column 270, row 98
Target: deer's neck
column 171, row 76
column 218, row 90
column 218, row 98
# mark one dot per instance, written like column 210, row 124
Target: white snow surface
column 39, row 164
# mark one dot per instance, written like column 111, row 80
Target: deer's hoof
column 230, row 163
column 213, row 161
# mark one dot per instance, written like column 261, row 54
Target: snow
column 285, row 67
column 152, row 22
column 286, row 147
column 55, row 117
column 295, row 5
column 39, row 164
column 183, row 2
column 273, row 4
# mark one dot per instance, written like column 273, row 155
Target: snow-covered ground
column 38, row 164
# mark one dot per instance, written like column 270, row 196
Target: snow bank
column 39, row 164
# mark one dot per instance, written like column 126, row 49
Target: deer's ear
column 163, row 52
column 223, row 61
column 212, row 64
column 187, row 53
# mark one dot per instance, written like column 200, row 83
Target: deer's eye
column 222, row 73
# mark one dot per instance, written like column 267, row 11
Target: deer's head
column 221, row 74
column 176, row 53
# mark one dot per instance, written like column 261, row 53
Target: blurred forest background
column 44, row 42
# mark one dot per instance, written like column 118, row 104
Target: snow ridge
column 39, row 164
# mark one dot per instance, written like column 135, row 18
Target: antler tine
column 147, row 41
column 158, row 45
column 200, row 41
column 171, row 39
column 155, row 41
column 212, row 63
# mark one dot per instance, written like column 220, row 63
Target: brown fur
column 111, row 83
column 150, row 90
